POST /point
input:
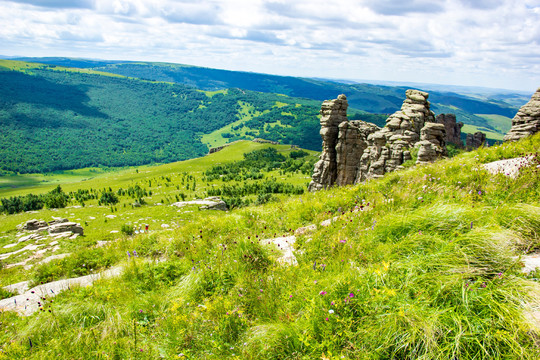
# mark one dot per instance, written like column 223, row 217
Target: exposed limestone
column 333, row 113
column 453, row 129
column 432, row 145
column 474, row 141
column 527, row 120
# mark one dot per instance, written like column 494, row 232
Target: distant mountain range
column 66, row 113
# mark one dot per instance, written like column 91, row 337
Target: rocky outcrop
column 65, row 227
column 352, row 142
column 33, row 224
column 474, row 141
column 355, row 151
column 432, row 144
column 390, row 147
column 527, row 120
column 333, row 113
column 209, row 203
column 453, row 129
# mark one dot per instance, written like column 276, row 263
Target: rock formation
column 527, row 120
column 389, row 148
column 453, row 129
column 432, row 144
column 474, row 141
column 355, row 151
column 333, row 113
column 66, row 227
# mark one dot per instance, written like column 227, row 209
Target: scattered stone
column 101, row 243
column 9, row 246
column 527, row 120
column 52, row 243
column 110, row 216
column 165, row 226
column 305, row 230
column 286, row 245
column 136, row 204
column 114, row 231
column 474, row 141
column 34, row 236
column 210, row 203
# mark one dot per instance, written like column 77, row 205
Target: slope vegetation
column 421, row 264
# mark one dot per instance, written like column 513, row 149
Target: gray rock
column 33, row 225
column 66, row 227
column 527, row 120
column 333, row 113
column 453, row 129
column 474, row 141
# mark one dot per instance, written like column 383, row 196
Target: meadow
column 421, row 264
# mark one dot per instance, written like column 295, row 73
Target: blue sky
column 492, row 43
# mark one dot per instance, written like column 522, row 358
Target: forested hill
column 485, row 112
column 55, row 118
column 114, row 113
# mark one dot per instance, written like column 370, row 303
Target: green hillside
column 365, row 97
column 55, row 118
column 421, row 264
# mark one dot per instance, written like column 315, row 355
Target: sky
column 489, row 43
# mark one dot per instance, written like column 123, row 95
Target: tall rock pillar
column 527, row 120
column 333, row 113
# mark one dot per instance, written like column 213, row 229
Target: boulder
column 33, row 225
column 66, row 227
column 527, row 120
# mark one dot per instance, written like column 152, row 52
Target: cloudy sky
column 492, row 43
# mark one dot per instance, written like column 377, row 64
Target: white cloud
column 448, row 41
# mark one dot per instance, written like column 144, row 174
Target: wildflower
column 332, row 303
column 322, row 293
column 351, row 295
column 330, row 311
column 140, row 311
column 134, row 253
column 471, row 224
column 343, row 241
column 129, row 255
column 479, row 192
column 290, row 296
column 500, row 275
column 326, row 319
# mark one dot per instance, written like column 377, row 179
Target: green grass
column 499, row 122
column 429, row 269
column 490, row 134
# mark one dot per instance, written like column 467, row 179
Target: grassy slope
column 425, row 271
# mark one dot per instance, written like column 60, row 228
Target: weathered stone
column 66, row 227
column 453, row 129
column 33, row 225
column 527, row 120
column 58, row 221
column 474, row 141
column 352, row 141
column 333, row 112
column 210, row 203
